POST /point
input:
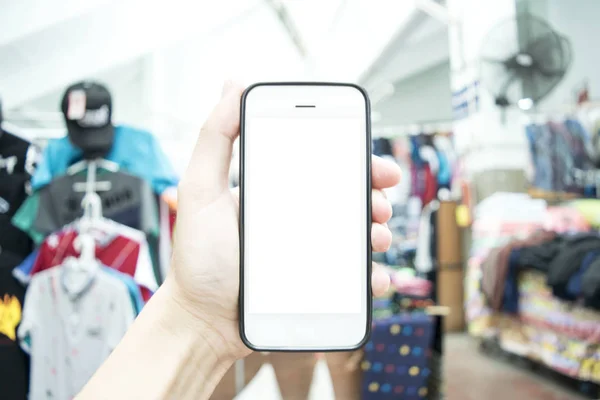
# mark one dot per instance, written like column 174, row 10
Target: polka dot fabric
column 396, row 364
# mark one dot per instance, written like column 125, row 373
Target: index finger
column 384, row 173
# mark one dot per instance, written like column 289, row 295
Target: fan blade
column 509, row 80
column 530, row 85
column 567, row 52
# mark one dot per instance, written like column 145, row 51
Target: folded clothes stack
column 407, row 284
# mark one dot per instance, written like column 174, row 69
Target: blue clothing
column 540, row 145
column 573, row 290
column 580, row 143
column 510, row 301
column 22, row 272
column 415, row 156
column 444, row 172
column 582, row 148
column 136, row 151
column 133, row 289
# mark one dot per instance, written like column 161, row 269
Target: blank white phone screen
column 305, row 205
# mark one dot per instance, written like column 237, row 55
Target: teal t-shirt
column 136, row 151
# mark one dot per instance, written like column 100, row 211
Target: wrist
column 167, row 353
column 181, row 320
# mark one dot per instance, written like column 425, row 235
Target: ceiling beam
column 435, row 10
column 408, row 60
column 361, row 33
column 394, row 46
column 278, row 7
column 401, row 58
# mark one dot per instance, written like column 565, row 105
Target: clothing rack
column 573, row 108
column 582, row 178
column 481, row 147
column 33, row 134
column 537, row 116
column 415, row 128
column 39, row 117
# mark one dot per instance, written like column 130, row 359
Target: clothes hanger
column 10, row 129
column 78, row 272
column 92, row 222
column 91, row 185
column 100, row 163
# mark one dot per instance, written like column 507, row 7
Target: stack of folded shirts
column 411, row 285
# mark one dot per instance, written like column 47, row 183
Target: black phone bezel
column 365, row 339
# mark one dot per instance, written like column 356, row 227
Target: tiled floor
column 469, row 375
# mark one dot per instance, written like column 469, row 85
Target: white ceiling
column 168, row 58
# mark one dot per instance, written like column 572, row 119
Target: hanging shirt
column 70, row 333
column 165, row 237
column 22, row 272
column 424, row 261
column 445, row 149
column 424, row 183
column 541, row 143
column 444, row 175
column 135, row 293
column 129, row 201
column 14, row 364
column 424, row 160
column 118, row 252
column 135, row 150
column 382, row 147
column 17, row 162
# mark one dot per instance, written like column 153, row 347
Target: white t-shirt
column 69, row 334
column 423, row 259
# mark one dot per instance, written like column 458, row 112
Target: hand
column 204, row 278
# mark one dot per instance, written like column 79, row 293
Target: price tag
column 76, row 105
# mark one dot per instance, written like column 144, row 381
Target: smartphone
column 305, row 217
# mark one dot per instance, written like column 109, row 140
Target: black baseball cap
column 87, row 108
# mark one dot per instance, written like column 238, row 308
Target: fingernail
column 226, row 86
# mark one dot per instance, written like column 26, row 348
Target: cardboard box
column 448, row 235
column 451, row 294
column 450, row 289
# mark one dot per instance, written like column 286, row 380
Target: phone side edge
column 369, row 316
column 241, row 304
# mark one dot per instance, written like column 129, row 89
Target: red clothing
column 424, row 183
column 120, row 253
column 172, row 219
column 431, row 186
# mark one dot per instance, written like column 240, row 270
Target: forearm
column 163, row 356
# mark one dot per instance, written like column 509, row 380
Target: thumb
column 208, row 171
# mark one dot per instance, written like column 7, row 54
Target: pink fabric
column 412, row 286
column 565, row 219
